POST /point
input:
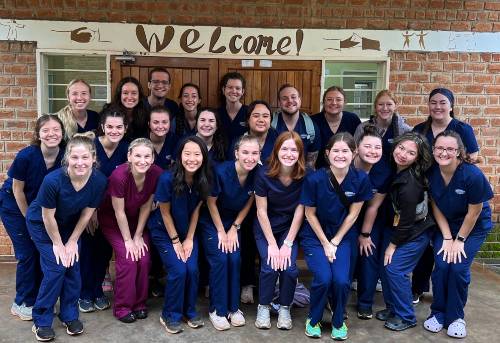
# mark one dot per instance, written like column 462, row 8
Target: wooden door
column 264, row 82
column 200, row 71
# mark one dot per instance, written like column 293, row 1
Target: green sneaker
column 340, row 334
column 313, row 331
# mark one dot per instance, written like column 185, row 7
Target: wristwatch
column 460, row 238
column 365, row 234
column 288, row 243
column 237, row 226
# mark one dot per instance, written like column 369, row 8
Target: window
column 361, row 82
column 59, row 70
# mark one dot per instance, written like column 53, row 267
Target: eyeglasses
column 162, row 82
column 441, row 149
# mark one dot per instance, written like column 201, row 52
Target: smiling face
column 288, row 153
column 50, row 134
column 140, row 159
column 190, row 99
column 340, row 155
column 260, row 119
column 191, row 157
column 159, row 85
column 159, row 123
column 206, row 125
column 80, row 161
column 405, row 153
column 130, row 95
column 334, row 102
column 233, row 90
column 385, row 107
column 370, row 149
column 248, row 155
column 114, row 129
column 289, row 100
column 439, row 107
column 446, row 151
column 79, row 96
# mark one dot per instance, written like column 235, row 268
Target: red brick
column 482, row 27
column 494, row 68
column 441, row 78
column 420, row 77
column 483, row 78
column 25, row 81
column 462, row 78
column 475, row 67
column 14, row 102
column 492, row 110
column 410, row 66
column 492, row 5
column 453, row 66
column 432, row 66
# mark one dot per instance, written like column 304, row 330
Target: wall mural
column 206, row 41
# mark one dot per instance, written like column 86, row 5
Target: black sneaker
column 417, row 297
column 195, row 322
column 384, row 315
column 170, row 326
column 365, row 313
column 128, row 318
column 141, row 314
column 43, row 334
column 397, row 324
column 74, row 327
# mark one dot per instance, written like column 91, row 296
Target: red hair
column 299, row 169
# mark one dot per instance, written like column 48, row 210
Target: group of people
column 151, row 180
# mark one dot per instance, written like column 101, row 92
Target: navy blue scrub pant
column 58, row 282
column 450, row 281
column 269, row 276
column 94, row 260
column 396, row 283
column 28, row 272
column 224, row 273
column 181, row 289
column 369, row 269
column 330, row 280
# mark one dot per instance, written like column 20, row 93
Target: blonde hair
column 66, row 113
column 141, row 141
column 86, row 139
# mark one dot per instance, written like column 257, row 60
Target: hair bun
column 88, row 134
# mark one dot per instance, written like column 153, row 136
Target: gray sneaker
column 21, row 311
column 263, row 320
column 284, row 318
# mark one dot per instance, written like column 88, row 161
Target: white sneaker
column 284, row 318
column 263, row 320
column 236, row 318
column 22, row 311
column 379, row 286
column 247, row 295
column 219, row 323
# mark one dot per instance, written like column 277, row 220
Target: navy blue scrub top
column 468, row 185
column 166, row 157
column 231, row 195
column 181, row 206
column 348, row 123
column 107, row 164
column 58, row 193
column 300, row 128
column 92, row 122
column 464, row 130
column 317, row 191
column 236, row 127
column 281, row 200
column 28, row 166
column 168, row 104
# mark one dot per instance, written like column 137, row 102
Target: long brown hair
column 299, row 169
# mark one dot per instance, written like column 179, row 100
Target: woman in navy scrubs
column 57, row 217
column 75, row 116
column 185, row 123
column 411, row 230
column 111, row 151
column 372, row 222
column 333, row 119
column 333, row 198
column 25, row 176
column 441, row 118
column 209, row 129
column 163, row 140
column 460, row 194
column 228, row 204
column 279, row 218
column 232, row 111
column 172, row 226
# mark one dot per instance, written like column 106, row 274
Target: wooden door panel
column 263, row 83
column 202, row 72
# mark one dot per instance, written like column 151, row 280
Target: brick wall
column 455, row 15
column 17, row 108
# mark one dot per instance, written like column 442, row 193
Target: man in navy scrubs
column 159, row 83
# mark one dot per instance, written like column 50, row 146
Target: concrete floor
column 482, row 315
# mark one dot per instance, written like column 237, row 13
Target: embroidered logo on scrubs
column 349, row 194
column 390, row 140
column 242, row 123
column 459, row 191
column 374, row 190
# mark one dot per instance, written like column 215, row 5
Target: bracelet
column 288, row 243
column 447, row 239
column 174, row 238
